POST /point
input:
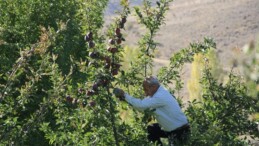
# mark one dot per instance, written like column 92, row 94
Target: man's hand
column 119, row 93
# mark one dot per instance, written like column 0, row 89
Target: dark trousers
column 155, row 133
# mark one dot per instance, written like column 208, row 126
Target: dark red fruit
column 90, row 93
column 87, row 38
column 115, row 72
column 118, row 41
column 111, row 41
column 118, row 31
column 95, row 87
column 90, row 35
column 69, row 99
column 92, row 104
column 107, row 59
column 94, row 54
column 113, row 50
column 123, row 20
column 116, row 65
column 91, row 44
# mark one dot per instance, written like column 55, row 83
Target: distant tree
column 129, row 56
column 250, row 70
column 249, row 67
column 223, row 115
column 197, row 68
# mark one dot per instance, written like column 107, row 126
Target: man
column 171, row 120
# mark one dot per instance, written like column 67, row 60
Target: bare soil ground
column 231, row 23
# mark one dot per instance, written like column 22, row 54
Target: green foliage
column 57, row 76
column 21, row 23
column 193, row 84
column 36, row 80
column 249, row 67
column 171, row 74
column 250, row 70
column 223, row 116
column 129, row 56
column 152, row 19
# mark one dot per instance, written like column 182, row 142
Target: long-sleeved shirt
column 166, row 108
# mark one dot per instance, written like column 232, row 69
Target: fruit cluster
column 94, row 89
column 75, row 101
column 83, row 102
column 110, row 64
column 91, row 45
column 122, row 22
column 89, row 39
column 114, row 44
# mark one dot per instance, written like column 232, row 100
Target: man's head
column 150, row 85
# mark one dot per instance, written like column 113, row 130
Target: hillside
column 231, row 23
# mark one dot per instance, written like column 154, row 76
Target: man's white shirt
column 166, row 108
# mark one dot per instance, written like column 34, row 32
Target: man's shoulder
column 162, row 91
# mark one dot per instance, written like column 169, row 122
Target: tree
column 249, row 70
column 223, row 116
column 194, row 85
column 21, row 23
column 57, row 80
